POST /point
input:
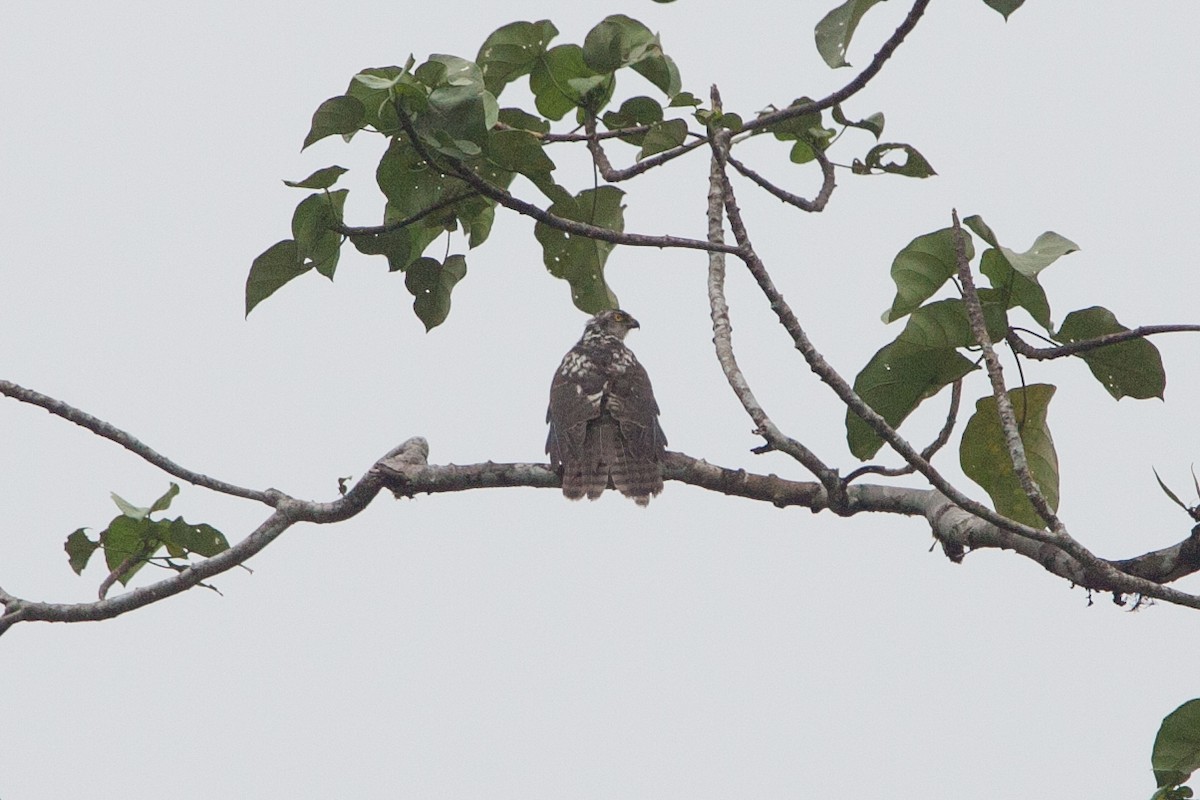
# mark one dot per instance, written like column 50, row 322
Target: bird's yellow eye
column 620, row 317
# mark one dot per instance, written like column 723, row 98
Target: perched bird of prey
column 604, row 429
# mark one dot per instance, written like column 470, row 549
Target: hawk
column 604, row 429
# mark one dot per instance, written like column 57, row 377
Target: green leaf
column 203, row 539
column 663, row 136
column 577, row 259
column 397, row 245
column 512, row 51
column 1127, row 369
column 523, row 120
column 128, row 508
column 873, row 123
column 921, row 361
column 634, row 112
column 922, row 267
column 459, row 107
column 321, row 179
column 557, row 78
column 430, row 282
column 317, row 245
column 376, row 88
column 913, row 166
column 1176, row 753
column 79, row 549
column 1016, row 274
column 276, row 266
column 985, row 459
column 1005, row 7
column 127, row 537
column 337, row 115
column 519, row 151
column 164, row 502
column 620, row 41
column 834, row 31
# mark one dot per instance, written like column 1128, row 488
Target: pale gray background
column 506, row 643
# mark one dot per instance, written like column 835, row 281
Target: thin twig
column 112, row 433
column 613, row 175
column 928, row 453
column 388, row 227
column 1019, row 345
column 813, row 206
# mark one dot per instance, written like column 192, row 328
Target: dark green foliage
column 132, row 539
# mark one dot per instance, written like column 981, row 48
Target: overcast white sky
column 507, row 643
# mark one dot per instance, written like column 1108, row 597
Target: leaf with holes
column 1126, row 369
column 836, row 29
column 430, row 283
column 578, row 259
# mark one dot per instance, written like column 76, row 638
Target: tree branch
column 112, row 433
column 853, row 87
column 506, row 199
column 1008, row 418
column 612, row 175
column 723, row 330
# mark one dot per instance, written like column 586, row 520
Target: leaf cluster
column 937, row 346
column 132, row 539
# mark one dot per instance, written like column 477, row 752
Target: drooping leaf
column 922, row 267
column 1176, row 753
column 337, row 115
column 914, row 165
column 321, row 179
column 984, row 456
column 873, row 123
column 512, row 51
column 276, row 266
column 836, row 29
column 430, row 282
column 317, row 244
column 1127, row 369
column 79, row 549
column 1005, row 7
column 663, row 136
column 578, row 259
column 918, row 364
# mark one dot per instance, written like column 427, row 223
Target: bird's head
column 611, row 322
